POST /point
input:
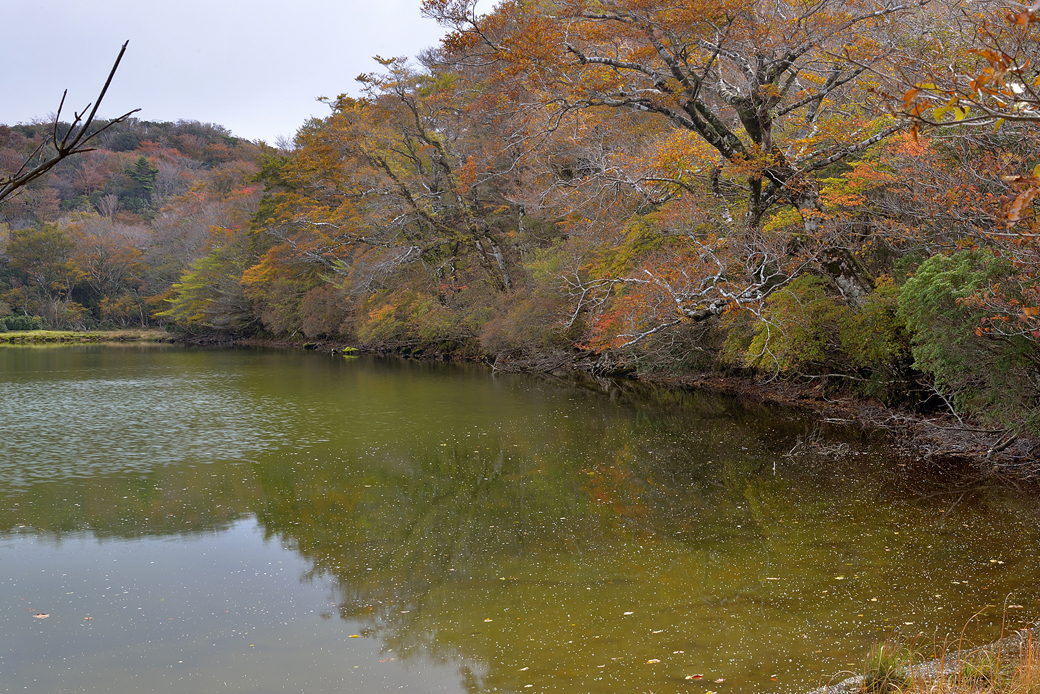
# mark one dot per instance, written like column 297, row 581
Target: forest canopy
column 836, row 192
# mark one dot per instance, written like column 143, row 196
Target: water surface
column 266, row 521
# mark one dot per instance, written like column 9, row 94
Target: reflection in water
column 80, row 414
column 519, row 535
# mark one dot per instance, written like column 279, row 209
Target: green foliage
column 804, row 327
column 415, row 321
column 992, row 375
column 535, row 319
column 22, row 323
column 138, row 183
column 800, row 327
column 641, row 237
column 210, row 295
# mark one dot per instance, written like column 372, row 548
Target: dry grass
column 1010, row 666
column 1017, row 672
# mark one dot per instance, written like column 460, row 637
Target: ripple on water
column 93, row 426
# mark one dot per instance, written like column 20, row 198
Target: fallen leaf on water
column 355, row 636
column 41, row 615
column 653, row 660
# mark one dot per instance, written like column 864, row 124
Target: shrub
column 800, row 326
column 992, row 375
column 805, row 327
column 17, row 322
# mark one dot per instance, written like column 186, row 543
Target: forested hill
column 101, row 240
column 836, row 193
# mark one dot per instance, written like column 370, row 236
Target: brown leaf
column 1024, row 199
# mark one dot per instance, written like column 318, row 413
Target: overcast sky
column 253, row 66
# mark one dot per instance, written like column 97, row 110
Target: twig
column 73, row 142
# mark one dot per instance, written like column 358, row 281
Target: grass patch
column 1009, row 666
column 887, row 668
column 41, row 337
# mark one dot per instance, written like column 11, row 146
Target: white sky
column 253, row 66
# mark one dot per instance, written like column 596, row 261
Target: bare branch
column 73, row 142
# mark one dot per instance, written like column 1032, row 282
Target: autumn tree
column 765, row 86
column 109, row 259
column 987, row 94
column 382, row 199
column 43, row 258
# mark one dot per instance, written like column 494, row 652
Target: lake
column 235, row 520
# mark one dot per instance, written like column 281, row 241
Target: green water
column 267, row 521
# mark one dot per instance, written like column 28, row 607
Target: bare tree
column 73, row 141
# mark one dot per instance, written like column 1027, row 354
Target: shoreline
column 935, row 438
column 949, row 665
